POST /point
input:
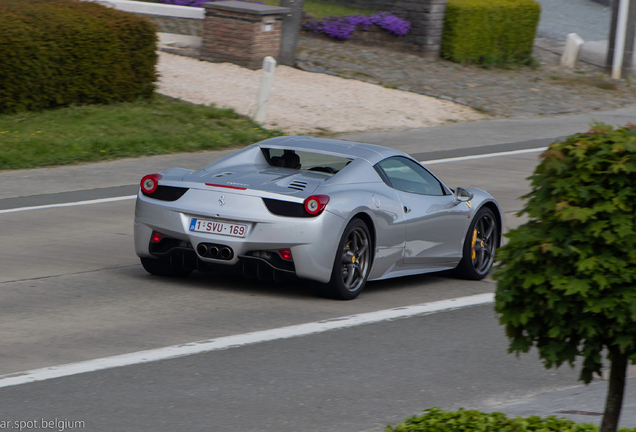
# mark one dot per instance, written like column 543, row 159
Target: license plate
column 216, row 227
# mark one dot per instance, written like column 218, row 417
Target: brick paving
column 523, row 91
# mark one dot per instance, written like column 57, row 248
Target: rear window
column 305, row 160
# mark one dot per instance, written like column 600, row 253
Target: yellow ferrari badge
column 468, row 204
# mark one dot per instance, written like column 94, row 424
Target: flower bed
column 198, row 3
column 342, row 28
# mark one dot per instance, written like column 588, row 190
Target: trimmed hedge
column 436, row 420
column 489, row 31
column 57, row 53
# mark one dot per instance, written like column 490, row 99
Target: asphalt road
column 588, row 19
column 71, row 289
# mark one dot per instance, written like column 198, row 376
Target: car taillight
column 285, row 254
column 149, row 183
column 315, row 204
column 156, row 237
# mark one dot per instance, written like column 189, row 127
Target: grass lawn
column 321, row 9
column 102, row 132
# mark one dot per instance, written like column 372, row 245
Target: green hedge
column 61, row 52
column 489, row 31
column 436, row 420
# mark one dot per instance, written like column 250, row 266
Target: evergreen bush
column 489, row 31
column 57, row 53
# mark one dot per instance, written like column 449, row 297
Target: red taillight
column 315, row 204
column 226, row 186
column 149, row 183
column 156, row 237
column 285, row 254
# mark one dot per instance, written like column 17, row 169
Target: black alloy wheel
column 482, row 239
column 352, row 263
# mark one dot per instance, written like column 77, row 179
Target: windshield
column 305, row 160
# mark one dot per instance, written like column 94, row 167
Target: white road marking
column 129, row 197
column 483, row 156
column 70, row 204
column 239, row 340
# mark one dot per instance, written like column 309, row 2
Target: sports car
column 334, row 212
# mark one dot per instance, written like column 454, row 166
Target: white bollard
column 269, row 64
column 573, row 45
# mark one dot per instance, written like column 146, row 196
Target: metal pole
column 619, row 45
column 612, row 38
column 290, row 31
column 630, row 30
column 269, row 64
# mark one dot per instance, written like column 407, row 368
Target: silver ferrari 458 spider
column 334, row 212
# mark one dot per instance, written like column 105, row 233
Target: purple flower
column 198, row 3
column 193, row 3
column 342, row 28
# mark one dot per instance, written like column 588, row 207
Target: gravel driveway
column 303, row 102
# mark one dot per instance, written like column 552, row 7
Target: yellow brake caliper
column 353, row 258
column 472, row 253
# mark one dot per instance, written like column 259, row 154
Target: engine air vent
column 222, row 174
column 297, row 185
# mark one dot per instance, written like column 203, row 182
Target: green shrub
column 489, row 31
column 566, row 278
column 436, row 420
column 61, row 52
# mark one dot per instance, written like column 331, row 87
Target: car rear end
column 209, row 226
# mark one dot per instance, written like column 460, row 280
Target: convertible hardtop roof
column 348, row 149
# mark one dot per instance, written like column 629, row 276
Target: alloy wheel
column 355, row 259
column 483, row 243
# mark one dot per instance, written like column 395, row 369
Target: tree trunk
column 614, row 401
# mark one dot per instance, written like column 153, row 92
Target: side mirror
column 462, row 195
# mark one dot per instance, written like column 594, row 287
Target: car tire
column 160, row 267
column 482, row 239
column 352, row 263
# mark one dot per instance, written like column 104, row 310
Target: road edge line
column 129, row 197
column 484, row 156
column 70, row 204
column 239, row 340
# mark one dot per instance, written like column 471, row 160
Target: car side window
column 403, row 174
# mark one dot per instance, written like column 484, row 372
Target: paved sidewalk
column 580, row 403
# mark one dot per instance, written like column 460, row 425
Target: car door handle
column 406, row 209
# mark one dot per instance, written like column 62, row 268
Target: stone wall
column 427, row 25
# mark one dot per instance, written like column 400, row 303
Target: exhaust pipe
column 209, row 250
